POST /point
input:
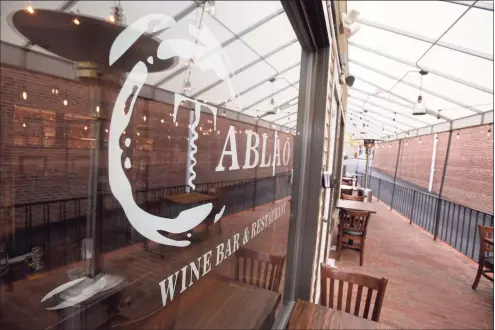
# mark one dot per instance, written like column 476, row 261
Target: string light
column 390, row 145
column 97, row 108
column 29, row 8
column 176, row 124
column 420, row 140
column 144, row 118
column 138, row 134
column 76, row 21
column 190, row 63
column 457, row 136
column 23, row 124
column 162, row 121
column 489, row 132
column 85, row 128
column 407, row 143
column 106, row 130
column 24, row 95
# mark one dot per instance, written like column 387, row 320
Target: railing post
column 412, row 207
column 395, row 175
column 439, row 202
column 379, row 185
column 274, row 188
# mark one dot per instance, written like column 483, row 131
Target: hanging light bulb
column 390, row 145
column 24, row 95
column 106, row 130
column 457, row 136
column 98, row 108
column 76, row 21
column 489, row 132
column 162, row 121
column 210, row 7
column 144, row 118
column 190, row 63
column 420, row 140
column 24, row 125
column 29, row 8
column 65, row 102
column 407, row 143
column 138, row 134
column 187, row 87
column 85, row 128
column 420, row 108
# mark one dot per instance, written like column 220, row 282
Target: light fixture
column 65, row 102
column 176, row 124
column 24, row 95
column 106, row 130
column 162, row 121
column 390, row 145
column 348, row 25
column 187, row 86
column 210, row 7
column 407, row 143
column 489, row 132
column 349, row 81
column 23, row 124
column 274, row 109
column 97, row 108
column 457, row 136
column 144, row 118
column 138, row 134
column 85, row 128
column 76, row 21
column 111, row 19
column 29, row 8
column 420, row 140
column 190, row 63
column 420, row 108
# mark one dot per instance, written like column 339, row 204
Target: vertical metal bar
column 449, row 213
column 442, row 183
column 395, row 175
column 412, row 206
column 469, row 231
column 379, row 185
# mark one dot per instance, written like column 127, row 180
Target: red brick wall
column 41, row 173
column 469, row 175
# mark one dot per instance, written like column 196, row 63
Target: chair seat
column 353, row 233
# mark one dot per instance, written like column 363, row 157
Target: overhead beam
column 286, row 116
column 428, row 110
column 407, row 115
column 285, row 105
column 429, row 91
column 266, row 98
column 258, row 84
column 425, row 39
column 355, row 108
column 374, row 125
column 225, row 44
column 247, row 66
column 479, row 4
column 425, row 68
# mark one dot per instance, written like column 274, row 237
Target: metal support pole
column 366, row 178
column 437, row 219
column 412, row 207
column 395, row 175
column 379, row 186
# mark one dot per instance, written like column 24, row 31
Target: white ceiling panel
column 240, row 82
column 240, row 15
column 258, row 93
column 278, row 28
column 286, row 57
column 280, row 98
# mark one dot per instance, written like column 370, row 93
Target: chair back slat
column 354, row 280
column 485, row 232
column 259, row 269
column 352, row 198
column 354, row 220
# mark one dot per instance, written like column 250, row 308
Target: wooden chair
column 347, row 182
column 328, row 291
column 353, row 198
column 352, row 226
column 260, row 269
column 485, row 260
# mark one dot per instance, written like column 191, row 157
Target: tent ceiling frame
column 428, row 69
column 225, row 43
column 356, row 108
column 247, row 90
column 407, row 115
column 425, row 39
column 288, row 115
column 425, row 90
column 285, row 105
column 374, row 124
column 247, row 66
column 428, row 110
column 267, row 97
column 479, row 5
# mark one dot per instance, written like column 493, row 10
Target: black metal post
column 395, row 175
column 379, row 185
column 439, row 201
column 412, row 207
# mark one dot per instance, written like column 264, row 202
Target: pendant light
column 274, row 109
column 419, row 108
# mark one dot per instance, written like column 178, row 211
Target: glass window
column 130, row 195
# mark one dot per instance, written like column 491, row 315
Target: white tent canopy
column 451, row 40
column 256, row 37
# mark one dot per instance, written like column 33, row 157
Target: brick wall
column 49, row 157
column 469, row 175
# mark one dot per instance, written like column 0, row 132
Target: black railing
column 59, row 226
column 455, row 224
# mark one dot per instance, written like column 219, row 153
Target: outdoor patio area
column 429, row 282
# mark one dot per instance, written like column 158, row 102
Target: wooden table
column 355, row 206
column 216, row 302
column 310, row 316
column 189, row 198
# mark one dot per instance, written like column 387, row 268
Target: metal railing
column 58, row 227
column 455, row 224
